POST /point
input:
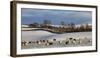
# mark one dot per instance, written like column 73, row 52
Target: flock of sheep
column 53, row 42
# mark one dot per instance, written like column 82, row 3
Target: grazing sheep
column 75, row 40
column 49, row 43
column 80, row 41
column 67, row 42
column 54, row 39
column 30, row 42
column 60, row 42
column 39, row 42
column 70, row 38
column 24, row 43
column 44, row 41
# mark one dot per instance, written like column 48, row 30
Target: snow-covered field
column 45, row 35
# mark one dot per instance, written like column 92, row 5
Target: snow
column 40, row 34
column 45, row 35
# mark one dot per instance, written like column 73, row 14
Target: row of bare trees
column 63, row 27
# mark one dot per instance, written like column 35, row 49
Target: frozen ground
column 45, row 35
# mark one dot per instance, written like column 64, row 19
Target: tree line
column 71, row 27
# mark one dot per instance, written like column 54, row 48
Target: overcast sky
column 30, row 15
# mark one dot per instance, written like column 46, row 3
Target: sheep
column 24, row 43
column 49, row 43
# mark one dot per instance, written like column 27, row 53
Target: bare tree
column 62, row 23
column 47, row 23
column 34, row 25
